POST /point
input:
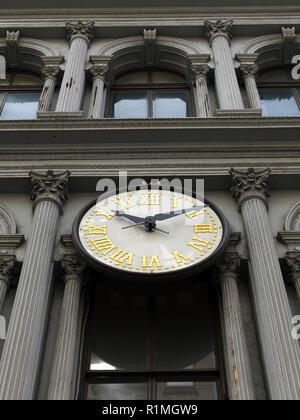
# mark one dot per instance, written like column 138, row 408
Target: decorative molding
column 41, row 47
column 7, row 264
column 292, row 220
column 12, row 40
column 218, row 28
column 293, row 261
column 289, row 39
column 115, row 46
column 9, row 243
column 49, row 186
column 100, row 65
column 252, row 184
column 7, row 221
column 50, row 72
column 230, row 265
column 80, row 29
column 51, row 66
column 198, row 64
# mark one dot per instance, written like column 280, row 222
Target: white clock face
column 109, row 234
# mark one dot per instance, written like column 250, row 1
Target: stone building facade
column 69, row 335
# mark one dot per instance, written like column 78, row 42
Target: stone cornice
column 9, row 243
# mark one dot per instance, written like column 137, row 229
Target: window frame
column 152, row 376
column 149, row 87
column 292, row 84
column 6, row 89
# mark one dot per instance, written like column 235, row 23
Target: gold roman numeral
column 200, row 244
column 153, row 260
column 179, row 257
column 103, row 244
column 150, row 199
column 204, row 228
column 124, row 203
column 121, row 256
column 109, row 216
column 96, row 230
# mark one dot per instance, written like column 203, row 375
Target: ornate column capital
column 293, row 260
column 50, row 72
column 200, row 70
column 252, row 184
column 218, row 28
column 99, row 71
column 249, row 69
column 73, row 268
column 7, row 265
column 80, row 30
column 230, row 266
column 49, row 187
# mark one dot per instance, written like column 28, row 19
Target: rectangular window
column 162, row 347
column 279, row 102
column 130, row 104
column 19, row 105
column 170, row 104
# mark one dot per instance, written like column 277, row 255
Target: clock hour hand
column 165, row 216
column 134, row 219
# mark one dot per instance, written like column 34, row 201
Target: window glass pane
column 167, row 77
column 185, row 338
column 20, row 105
column 115, row 391
column 130, row 104
column 278, row 102
column 1, row 97
column 118, row 331
column 186, row 391
column 137, row 77
column 170, row 104
column 24, row 79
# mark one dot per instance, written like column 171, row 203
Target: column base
column 59, row 115
column 228, row 113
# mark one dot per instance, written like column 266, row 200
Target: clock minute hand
column 165, row 216
column 134, row 219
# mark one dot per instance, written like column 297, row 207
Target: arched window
column 150, row 94
column 19, row 95
column 279, row 93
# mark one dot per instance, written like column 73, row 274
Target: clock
column 149, row 237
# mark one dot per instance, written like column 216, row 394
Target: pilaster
column 200, row 69
column 20, row 362
column 249, row 69
column 50, row 73
column 99, row 68
column 280, row 353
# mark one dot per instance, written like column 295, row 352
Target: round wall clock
column 150, row 236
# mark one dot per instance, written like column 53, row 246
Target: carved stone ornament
column 249, row 69
column 73, row 268
column 200, row 70
column 49, row 186
column 250, row 184
column 7, row 264
column 50, row 72
column 293, row 260
column 80, row 29
column 230, row 265
column 217, row 28
column 99, row 71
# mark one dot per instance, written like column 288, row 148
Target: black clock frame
column 149, row 283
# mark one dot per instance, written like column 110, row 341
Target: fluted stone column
column 50, row 74
column 240, row 382
column 280, row 353
column 19, row 366
column 228, row 90
column 293, row 260
column 200, row 70
column 99, row 69
column 62, row 373
column 249, row 69
column 71, row 91
column 6, row 268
